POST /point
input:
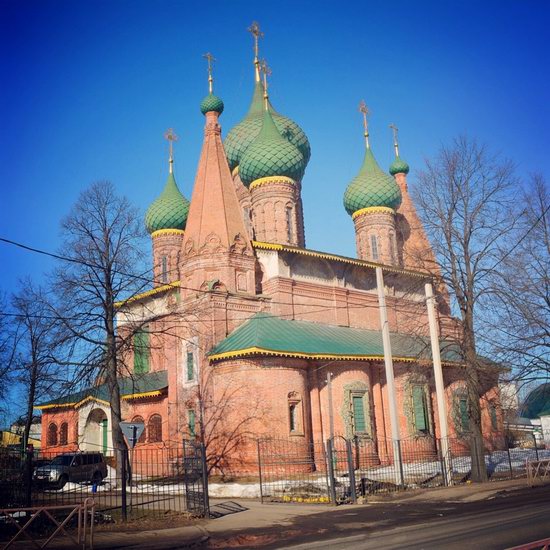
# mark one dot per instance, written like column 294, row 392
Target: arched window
column 64, row 434
column 51, row 438
column 154, row 428
column 374, row 247
column 143, row 436
column 289, row 225
column 295, row 417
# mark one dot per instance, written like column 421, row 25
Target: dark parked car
column 73, row 467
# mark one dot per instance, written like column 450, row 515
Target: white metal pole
column 439, row 385
column 390, row 382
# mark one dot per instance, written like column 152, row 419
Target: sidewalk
column 254, row 515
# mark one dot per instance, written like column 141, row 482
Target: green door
column 104, row 435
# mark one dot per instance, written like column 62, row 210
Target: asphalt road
column 509, row 519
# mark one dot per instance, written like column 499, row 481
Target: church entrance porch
column 96, row 433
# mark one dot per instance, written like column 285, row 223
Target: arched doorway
column 96, row 431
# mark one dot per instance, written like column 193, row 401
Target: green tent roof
column 132, row 385
column 537, row 403
column 265, row 334
column 170, row 209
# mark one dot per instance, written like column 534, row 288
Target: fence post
column 260, row 471
column 509, row 462
column 122, row 455
column 535, row 442
column 205, row 481
column 442, row 462
column 330, row 469
column 28, row 477
column 351, row 470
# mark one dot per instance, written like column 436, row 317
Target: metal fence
column 138, row 483
column 342, row 470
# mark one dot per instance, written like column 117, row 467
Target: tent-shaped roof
column 131, row 387
column 265, row 334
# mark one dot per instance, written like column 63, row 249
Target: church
column 248, row 333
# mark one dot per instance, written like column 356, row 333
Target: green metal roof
column 371, row 187
column 132, row 385
column 265, row 334
column 270, row 154
column 537, row 403
column 243, row 134
column 212, row 103
column 399, row 166
column 170, row 209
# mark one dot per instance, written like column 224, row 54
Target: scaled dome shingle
column 169, row 210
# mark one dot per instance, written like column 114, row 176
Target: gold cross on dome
column 255, row 31
column 171, row 136
column 365, row 111
column 210, row 59
column 266, row 71
column 394, row 130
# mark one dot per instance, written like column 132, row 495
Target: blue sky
column 90, row 87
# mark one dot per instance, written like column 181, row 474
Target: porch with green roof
column 268, row 335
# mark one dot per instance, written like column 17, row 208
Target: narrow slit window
column 164, row 269
column 420, row 410
column 191, row 423
column 374, row 247
column 289, row 227
column 358, row 411
column 190, row 371
column 141, row 351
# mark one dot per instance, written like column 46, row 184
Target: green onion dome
column 211, row 103
column 371, row 187
column 243, row 134
column 270, row 155
column 399, row 166
column 169, row 211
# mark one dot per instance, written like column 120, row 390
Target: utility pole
column 439, row 384
column 390, row 382
column 330, row 411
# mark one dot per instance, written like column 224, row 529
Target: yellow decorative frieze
column 271, row 179
column 373, row 210
column 149, row 293
column 160, row 232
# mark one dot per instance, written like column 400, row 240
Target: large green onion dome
column 169, row 211
column 371, row 187
column 270, row 155
column 212, row 103
column 242, row 135
column 399, row 166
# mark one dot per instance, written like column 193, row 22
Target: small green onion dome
column 211, row 103
column 270, row 154
column 399, row 166
column 371, row 187
column 169, row 211
column 244, row 133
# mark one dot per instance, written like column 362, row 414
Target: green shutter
column 191, row 422
column 190, row 366
column 141, row 352
column 104, row 434
column 464, row 416
column 359, row 421
column 420, row 409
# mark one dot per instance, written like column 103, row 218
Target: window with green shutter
column 359, row 417
column 420, row 409
column 190, row 366
column 141, row 351
column 191, row 422
column 464, row 414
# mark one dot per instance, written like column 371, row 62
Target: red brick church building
column 244, row 323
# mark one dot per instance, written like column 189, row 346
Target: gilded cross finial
column 170, row 136
column 394, row 130
column 255, row 31
column 266, row 71
column 210, row 59
column 365, row 111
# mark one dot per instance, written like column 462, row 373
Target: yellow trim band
column 160, row 232
column 154, row 393
column 373, row 210
column 271, row 179
column 148, row 293
column 302, row 355
column 344, row 259
column 235, row 171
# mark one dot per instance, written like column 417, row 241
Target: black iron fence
column 136, row 483
column 343, row 470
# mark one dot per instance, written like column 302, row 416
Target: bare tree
column 522, row 285
column 466, row 200
column 102, row 237
column 37, row 347
column 7, row 351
